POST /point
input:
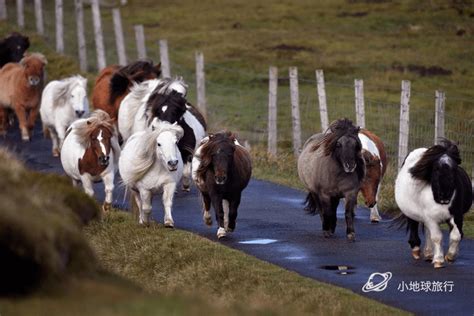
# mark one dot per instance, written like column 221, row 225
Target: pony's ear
column 211, row 136
column 88, row 122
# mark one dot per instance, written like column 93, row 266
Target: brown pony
column 223, row 170
column 114, row 82
column 22, row 85
column 375, row 157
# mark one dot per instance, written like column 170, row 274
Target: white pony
column 432, row 188
column 150, row 161
column 90, row 153
column 62, row 102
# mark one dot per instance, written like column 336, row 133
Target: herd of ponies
column 144, row 128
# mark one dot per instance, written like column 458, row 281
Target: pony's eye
column 159, row 145
column 152, row 128
column 338, row 145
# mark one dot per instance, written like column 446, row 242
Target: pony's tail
column 311, row 204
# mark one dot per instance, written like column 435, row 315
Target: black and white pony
column 331, row 167
column 163, row 100
column 431, row 188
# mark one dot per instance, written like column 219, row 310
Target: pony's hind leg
column 206, row 203
column 168, row 194
column 428, row 249
column 414, row 240
column 436, row 238
column 145, row 207
column 454, row 240
column 87, row 185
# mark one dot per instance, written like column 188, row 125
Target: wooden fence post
column 272, row 110
column 119, row 40
column 295, row 110
column 323, row 108
column 123, row 2
column 200, row 84
column 164, row 59
column 3, row 10
column 59, row 26
column 81, row 38
column 140, row 40
column 39, row 17
column 439, row 115
column 98, row 35
column 404, row 122
column 20, row 14
column 359, row 102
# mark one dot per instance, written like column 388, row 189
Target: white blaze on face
column 164, row 108
column 102, row 146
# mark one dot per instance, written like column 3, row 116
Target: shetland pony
column 62, row 102
column 221, row 170
column 331, row 167
column 90, row 153
column 22, row 84
column 375, row 157
column 432, row 188
column 12, row 48
column 114, row 83
column 164, row 99
column 150, row 161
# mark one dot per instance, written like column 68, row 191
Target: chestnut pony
column 114, row 83
column 22, row 85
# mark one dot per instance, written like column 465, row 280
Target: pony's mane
column 197, row 114
column 145, row 154
column 422, row 170
column 68, row 84
column 165, row 86
column 29, row 56
column 135, row 72
column 85, row 127
column 215, row 142
column 337, row 129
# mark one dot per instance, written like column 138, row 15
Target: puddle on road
column 258, row 241
column 340, row 269
column 295, row 258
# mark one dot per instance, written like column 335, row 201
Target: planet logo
column 377, row 282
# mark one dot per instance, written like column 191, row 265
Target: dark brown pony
column 375, row 157
column 223, row 171
column 21, row 87
column 12, row 48
column 114, row 82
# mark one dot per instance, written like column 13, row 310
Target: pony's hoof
column 221, row 233
column 186, row 188
column 25, row 138
column 229, row 230
column 450, row 258
column 327, row 234
column 375, row 219
column 55, row 152
column 351, row 237
column 169, row 224
column 415, row 252
column 107, row 207
column 428, row 257
column 438, row 264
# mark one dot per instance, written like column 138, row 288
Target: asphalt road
column 272, row 226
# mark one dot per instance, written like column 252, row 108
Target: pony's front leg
column 168, row 195
column 206, row 204
column 20, row 112
column 145, row 209
column 32, row 119
column 326, row 216
column 454, row 240
column 217, row 204
column 109, row 189
column 351, row 202
column 3, row 121
column 88, row 185
column 428, row 250
column 436, row 239
column 234, row 205
column 186, row 179
column 414, row 240
column 54, row 138
column 374, row 211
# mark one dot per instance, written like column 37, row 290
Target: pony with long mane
column 150, row 161
column 432, row 188
column 22, row 84
column 12, row 48
column 331, row 167
column 90, row 153
column 375, row 157
column 62, row 102
column 114, row 82
column 164, row 99
column 221, row 170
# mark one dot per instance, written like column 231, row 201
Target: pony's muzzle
column 104, row 160
column 349, row 168
column 173, row 165
column 221, row 179
column 80, row 113
column 33, row 80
